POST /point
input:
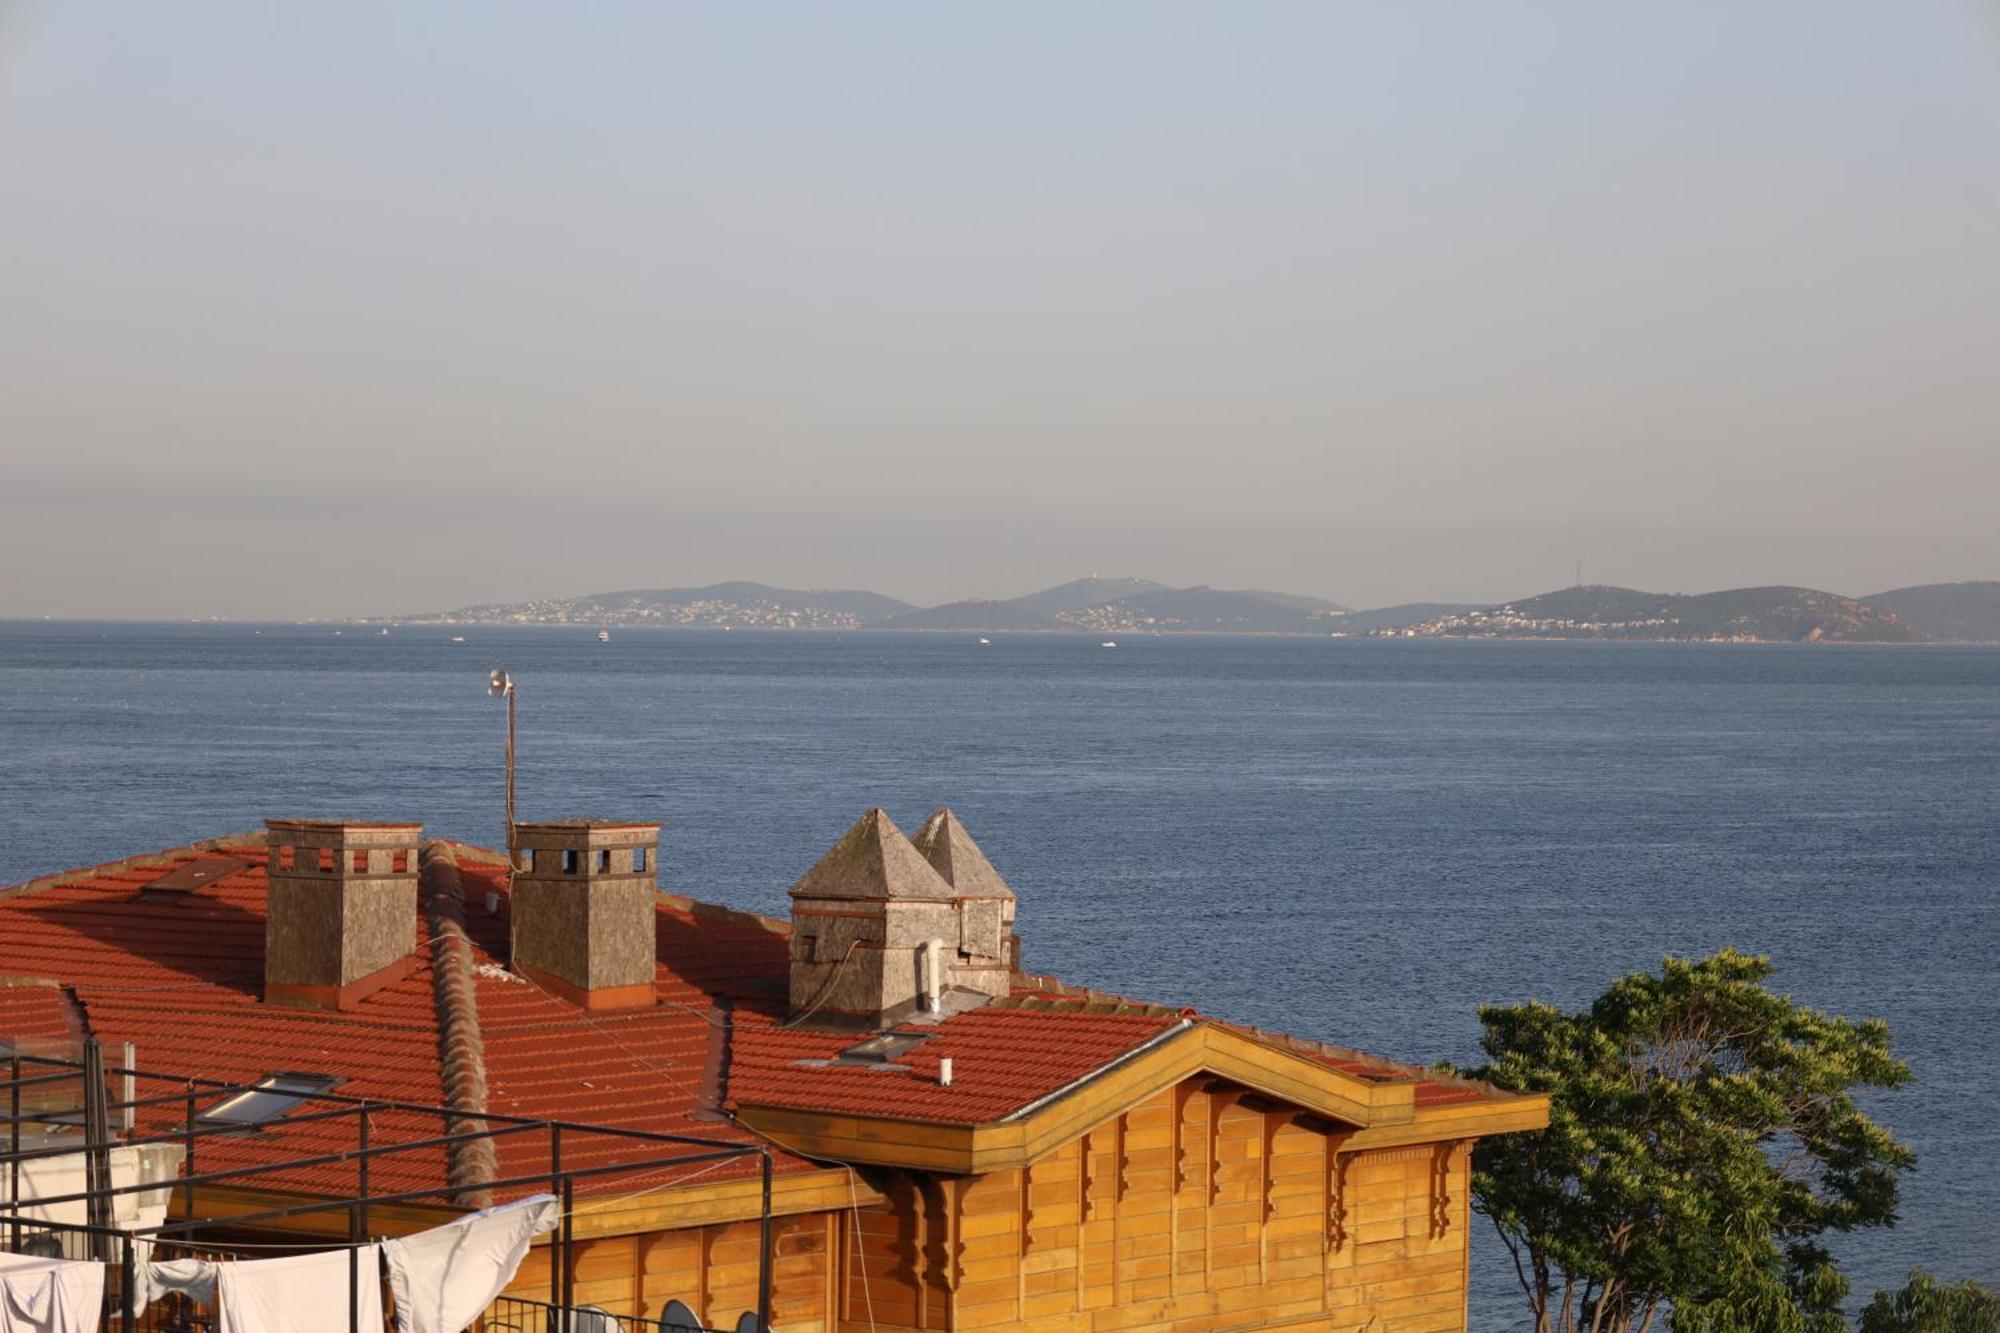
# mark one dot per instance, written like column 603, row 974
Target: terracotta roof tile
column 180, row 976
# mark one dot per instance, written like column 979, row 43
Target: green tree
column 1702, row 1135
column 1926, row 1305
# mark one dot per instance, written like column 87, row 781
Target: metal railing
column 645, row 1153
column 519, row 1314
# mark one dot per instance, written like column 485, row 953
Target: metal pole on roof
column 501, row 686
column 764, row 1249
column 96, row 1145
column 14, row 1143
column 128, row 1281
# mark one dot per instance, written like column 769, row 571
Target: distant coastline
column 1930, row 613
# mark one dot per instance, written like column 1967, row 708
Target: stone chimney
column 879, row 935
column 341, row 920
column 583, row 910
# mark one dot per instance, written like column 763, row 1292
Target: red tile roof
column 180, row 976
column 34, row 1015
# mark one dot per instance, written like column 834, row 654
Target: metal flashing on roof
column 883, row 1047
column 201, row 871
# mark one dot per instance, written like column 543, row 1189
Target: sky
column 372, row 308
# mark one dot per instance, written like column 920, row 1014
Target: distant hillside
column 1128, row 605
column 1211, row 610
column 1395, row 617
column 1773, row 615
column 977, row 614
column 735, row 605
column 1950, row 612
column 1082, row 594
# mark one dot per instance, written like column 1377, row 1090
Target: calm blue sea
column 1348, row 839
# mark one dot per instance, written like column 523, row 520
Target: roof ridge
column 702, row 907
column 137, row 861
column 469, row 1163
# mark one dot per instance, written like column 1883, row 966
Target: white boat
column 1108, row 643
column 604, row 636
column 458, row 638
column 385, row 633
column 986, row 643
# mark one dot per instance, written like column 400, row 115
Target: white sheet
column 443, row 1279
column 193, row 1278
column 50, row 1295
column 307, row 1293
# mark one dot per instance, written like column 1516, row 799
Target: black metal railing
column 520, row 1314
column 382, row 1129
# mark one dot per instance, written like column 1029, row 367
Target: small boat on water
column 385, row 632
column 986, row 643
column 604, row 636
column 1108, row 643
column 458, row 638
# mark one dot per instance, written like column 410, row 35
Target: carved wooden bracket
column 1441, row 1160
column 1268, row 1176
column 1027, row 1209
column 1336, row 1194
column 1183, row 1095
column 951, row 1193
column 1122, row 1181
column 1218, row 1102
column 1086, row 1182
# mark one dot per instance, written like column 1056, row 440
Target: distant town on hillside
column 1940, row 612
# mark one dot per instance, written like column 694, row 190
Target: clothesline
column 442, row 1280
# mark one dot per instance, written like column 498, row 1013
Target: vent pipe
column 934, row 975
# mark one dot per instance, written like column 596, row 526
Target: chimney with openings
column 342, row 911
column 884, row 930
column 583, row 910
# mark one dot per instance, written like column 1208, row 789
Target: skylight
column 275, row 1095
column 883, row 1048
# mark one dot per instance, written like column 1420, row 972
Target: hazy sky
column 348, row 308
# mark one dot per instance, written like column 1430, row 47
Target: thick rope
column 469, row 1163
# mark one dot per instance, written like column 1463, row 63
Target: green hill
column 1761, row 615
column 1948, row 612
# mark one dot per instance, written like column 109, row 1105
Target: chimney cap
column 340, row 825
column 585, row 824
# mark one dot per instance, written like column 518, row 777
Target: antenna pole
column 501, row 686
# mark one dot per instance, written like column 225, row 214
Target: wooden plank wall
column 713, row 1269
column 1201, row 1210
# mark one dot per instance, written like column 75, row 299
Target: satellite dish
column 677, row 1318
column 594, row 1319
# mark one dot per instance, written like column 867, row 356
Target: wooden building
column 963, row 1144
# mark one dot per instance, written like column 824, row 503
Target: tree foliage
column 1926, row 1305
column 1702, row 1135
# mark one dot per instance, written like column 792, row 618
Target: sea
column 1356, row 840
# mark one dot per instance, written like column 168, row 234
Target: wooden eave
column 1383, row 1113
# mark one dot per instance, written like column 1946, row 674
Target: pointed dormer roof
column 873, row 861
column 951, row 852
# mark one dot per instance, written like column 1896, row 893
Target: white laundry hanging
column 306, row 1293
column 50, row 1295
column 443, row 1279
column 193, row 1278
